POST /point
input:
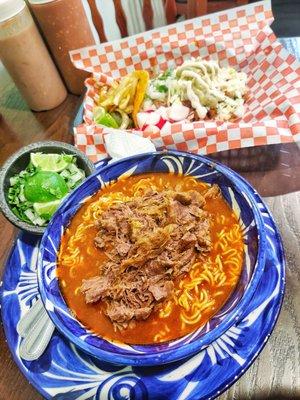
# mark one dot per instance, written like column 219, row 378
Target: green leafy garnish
column 162, row 88
column 165, row 74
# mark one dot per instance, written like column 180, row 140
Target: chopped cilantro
column 162, row 88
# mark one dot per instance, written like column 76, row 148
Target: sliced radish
column 163, row 112
column 152, row 118
column 141, row 119
column 151, row 129
column 178, row 112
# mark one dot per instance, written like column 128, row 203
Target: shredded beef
column 161, row 290
column 183, row 198
column 212, row 192
column 95, row 288
column 149, row 241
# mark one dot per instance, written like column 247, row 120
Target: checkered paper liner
column 241, row 38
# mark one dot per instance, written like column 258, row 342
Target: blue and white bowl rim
column 161, row 357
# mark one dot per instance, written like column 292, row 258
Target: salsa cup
column 18, row 161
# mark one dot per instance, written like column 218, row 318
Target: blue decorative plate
column 241, row 198
column 64, row 372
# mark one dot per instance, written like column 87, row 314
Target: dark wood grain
column 192, row 8
column 273, row 170
column 170, row 11
column 148, row 14
column 121, row 18
column 97, row 20
column 196, row 8
column 275, row 375
column 20, row 126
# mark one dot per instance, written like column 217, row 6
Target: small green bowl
column 19, row 161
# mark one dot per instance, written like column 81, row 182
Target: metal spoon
column 36, row 329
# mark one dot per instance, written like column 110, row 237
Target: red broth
column 197, row 296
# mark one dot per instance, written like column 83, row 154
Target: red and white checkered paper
column 241, row 38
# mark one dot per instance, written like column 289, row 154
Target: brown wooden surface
column 196, row 8
column 148, row 14
column 170, row 11
column 274, row 171
column 97, row 20
column 121, row 18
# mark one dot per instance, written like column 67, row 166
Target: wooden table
column 273, row 170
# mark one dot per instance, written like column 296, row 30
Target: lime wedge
column 98, row 112
column 103, row 118
column 45, row 186
column 46, row 210
column 50, row 162
column 109, row 121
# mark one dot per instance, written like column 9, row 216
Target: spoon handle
column 36, row 328
column 30, row 318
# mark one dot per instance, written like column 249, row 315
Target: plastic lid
column 10, row 8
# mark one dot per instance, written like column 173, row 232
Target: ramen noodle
column 189, row 293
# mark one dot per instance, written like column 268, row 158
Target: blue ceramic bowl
column 240, row 199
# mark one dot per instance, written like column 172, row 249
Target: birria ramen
column 150, row 258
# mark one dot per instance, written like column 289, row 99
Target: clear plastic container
column 65, row 27
column 27, row 59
